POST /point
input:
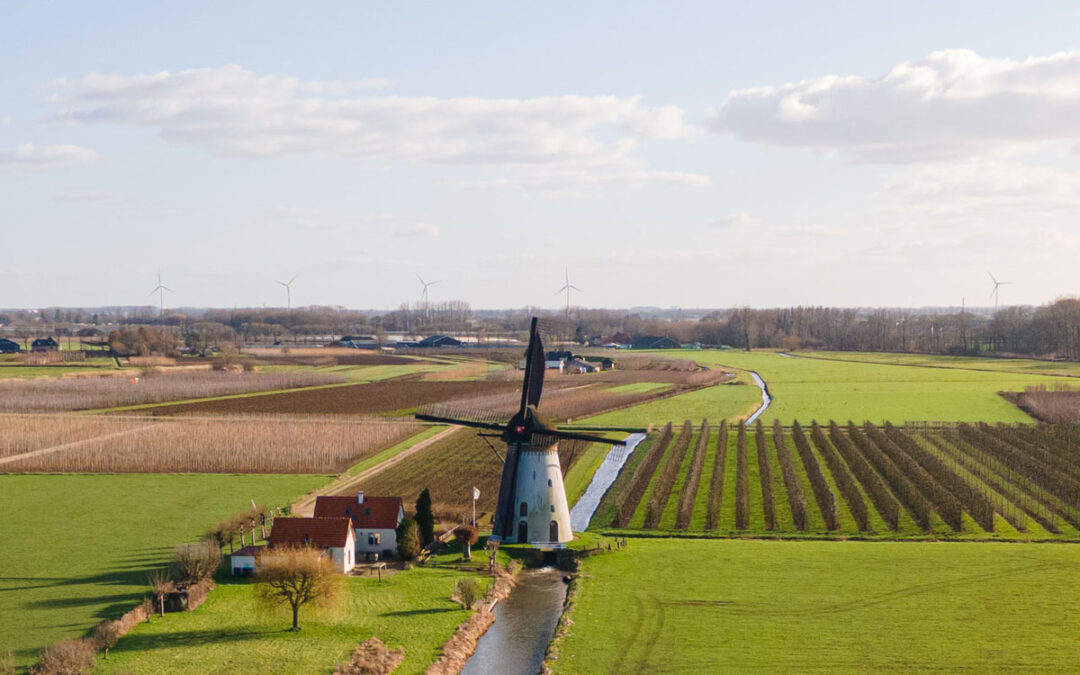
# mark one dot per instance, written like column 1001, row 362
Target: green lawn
column 686, row 606
column 229, row 634
column 579, row 476
column 714, row 403
column 1030, row 366
column 638, row 387
column 807, row 389
column 76, row 548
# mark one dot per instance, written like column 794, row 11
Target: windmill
column 288, row 290
column 567, row 287
column 531, row 507
column 425, row 284
column 994, row 293
column 160, row 290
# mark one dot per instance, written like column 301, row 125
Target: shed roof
column 316, row 532
column 376, row 513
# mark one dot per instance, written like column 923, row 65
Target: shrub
column 106, row 634
column 198, row 561
column 425, row 519
column 742, row 482
column 69, row 657
column 768, row 505
column 372, row 657
column 661, row 491
column 796, row 499
column 466, row 535
column 716, row 483
column 408, row 540
column 822, row 492
column 466, row 592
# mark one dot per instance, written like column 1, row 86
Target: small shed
column 243, row 560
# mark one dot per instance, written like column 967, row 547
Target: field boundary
column 208, row 399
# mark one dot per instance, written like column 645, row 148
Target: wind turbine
column 425, row 284
column 567, row 287
column 160, row 290
column 288, row 290
column 994, row 293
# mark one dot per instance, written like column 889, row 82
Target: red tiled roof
column 316, row 532
column 376, row 513
column 249, row 550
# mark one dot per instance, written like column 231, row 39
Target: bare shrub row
column 631, row 497
column 693, row 479
column 818, row 483
column 768, row 504
column 661, row 491
column 876, row 489
column 742, row 482
column 844, row 480
column 716, row 483
column 914, row 500
column 796, row 499
column 972, row 499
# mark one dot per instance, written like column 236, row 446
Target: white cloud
column 952, row 104
column 734, row 220
column 4, row 121
column 324, row 220
column 83, row 196
column 30, row 155
column 417, row 230
column 570, row 179
column 231, row 111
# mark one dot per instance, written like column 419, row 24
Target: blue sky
column 691, row 154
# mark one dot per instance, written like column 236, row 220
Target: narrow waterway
column 605, row 475
column 765, row 398
column 524, row 624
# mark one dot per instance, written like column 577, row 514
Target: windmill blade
column 459, row 422
column 547, row 438
column 533, row 384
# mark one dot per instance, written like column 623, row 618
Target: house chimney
column 360, row 497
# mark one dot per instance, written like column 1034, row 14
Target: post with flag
column 475, row 496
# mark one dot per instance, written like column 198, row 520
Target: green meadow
column 77, row 548
column 696, row 606
column 814, row 388
column 730, row 401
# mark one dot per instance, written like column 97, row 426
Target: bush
column 466, row 535
column 106, row 634
column 425, row 520
column 466, row 592
column 70, row 657
column 408, row 540
column 198, row 561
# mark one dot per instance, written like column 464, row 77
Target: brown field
column 89, row 393
column 150, row 445
column 1048, row 405
column 336, row 357
column 371, row 398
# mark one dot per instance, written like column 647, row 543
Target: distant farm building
column 654, row 342
column 359, row 342
column 44, row 345
column 374, row 520
column 333, row 535
column 9, row 346
column 439, row 341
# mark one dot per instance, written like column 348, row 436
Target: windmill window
column 523, row 510
column 549, row 482
column 553, row 508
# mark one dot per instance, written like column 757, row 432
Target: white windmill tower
column 532, row 505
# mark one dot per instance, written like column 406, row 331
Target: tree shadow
column 138, row 642
column 420, row 612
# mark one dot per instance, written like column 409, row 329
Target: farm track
column 306, row 506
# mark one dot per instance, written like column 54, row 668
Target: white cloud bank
column 231, row 111
column 30, row 155
column 953, row 104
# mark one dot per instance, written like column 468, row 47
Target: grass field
column 731, row 401
column 76, row 549
column 679, row 606
column 229, row 634
column 804, row 388
column 1027, row 366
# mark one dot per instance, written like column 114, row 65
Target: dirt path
column 306, row 506
column 69, row 446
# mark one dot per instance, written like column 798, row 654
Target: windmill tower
column 532, row 507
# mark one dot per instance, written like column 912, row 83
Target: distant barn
column 438, row 341
column 654, row 342
column 9, row 346
column 44, row 345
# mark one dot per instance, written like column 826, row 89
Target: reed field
column 93, row 393
column 119, row 444
column 1051, row 405
column 697, row 606
column 956, row 481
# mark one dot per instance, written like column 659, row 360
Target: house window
column 523, row 510
column 374, row 538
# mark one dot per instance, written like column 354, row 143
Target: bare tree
column 160, row 586
column 466, row 535
column 198, row 561
column 296, row 577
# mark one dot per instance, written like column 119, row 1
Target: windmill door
column 523, row 532
column 553, row 531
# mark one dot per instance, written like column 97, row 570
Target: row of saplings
column 287, row 577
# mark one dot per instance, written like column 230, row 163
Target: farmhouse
column 439, row 341
column 334, row 535
column 9, row 346
column 44, row 345
column 374, row 520
column 360, row 342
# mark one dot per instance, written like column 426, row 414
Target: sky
column 692, row 154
